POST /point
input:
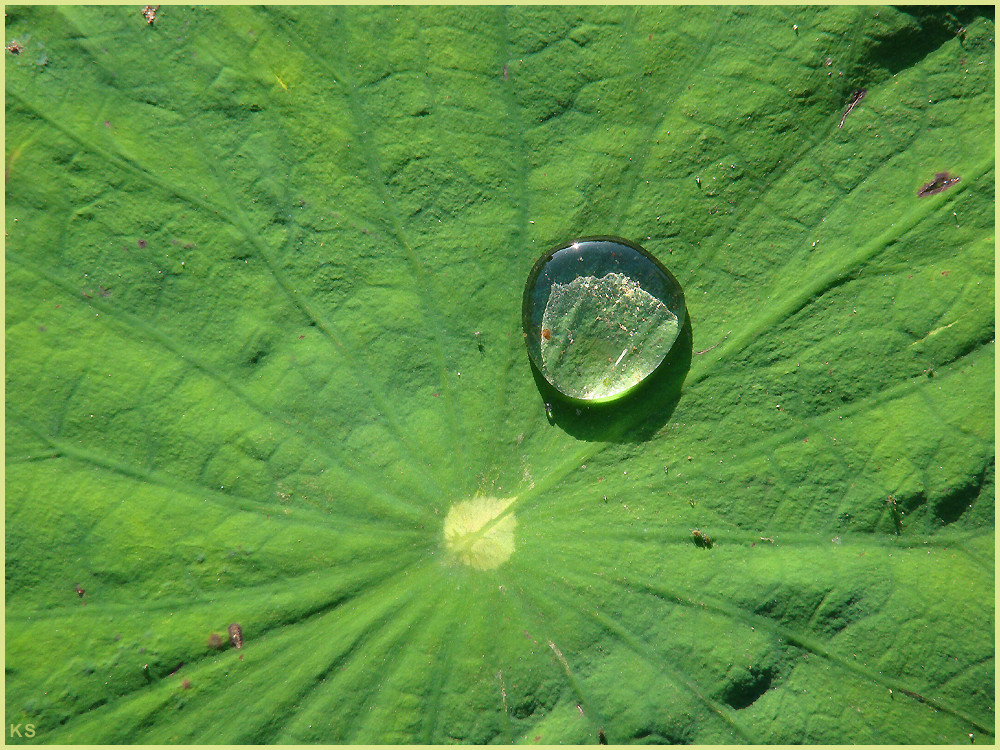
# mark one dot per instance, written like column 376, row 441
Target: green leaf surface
column 264, row 271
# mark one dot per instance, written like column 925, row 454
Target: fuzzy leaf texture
column 264, row 270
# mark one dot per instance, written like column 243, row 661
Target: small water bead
column 599, row 316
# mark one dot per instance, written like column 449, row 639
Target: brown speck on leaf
column 215, row 641
column 186, row 684
column 236, row 635
column 142, row 244
column 79, row 590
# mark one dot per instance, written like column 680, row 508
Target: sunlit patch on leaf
column 477, row 535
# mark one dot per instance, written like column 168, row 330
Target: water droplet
column 599, row 316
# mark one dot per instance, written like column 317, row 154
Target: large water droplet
column 599, row 316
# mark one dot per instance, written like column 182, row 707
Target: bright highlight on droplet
column 600, row 314
column 465, row 538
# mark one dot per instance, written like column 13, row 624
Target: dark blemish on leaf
column 856, row 98
column 142, row 244
column 941, row 182
column 601, row 737
column 186, row 684
column 214, row 641
column 701, row 539
column 896, row 513
column 15, row 47
column 236, row 635
column 79, row 590
column 176, row 669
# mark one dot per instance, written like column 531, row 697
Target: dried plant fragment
column 856, row 98
column 942, row 181
column 702, row 539
column 236, row 635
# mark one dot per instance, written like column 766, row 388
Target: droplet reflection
column 599, row 315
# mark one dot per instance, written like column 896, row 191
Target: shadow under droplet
column 636, row 416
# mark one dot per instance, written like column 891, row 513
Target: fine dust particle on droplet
column 465, row 538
